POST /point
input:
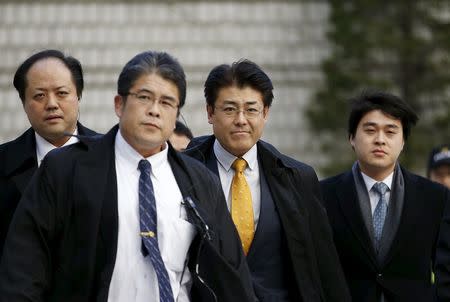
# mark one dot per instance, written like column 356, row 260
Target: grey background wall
column 287, row 38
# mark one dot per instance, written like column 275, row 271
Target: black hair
column 385, row 102
column 182, row 129
column 149, row 62
column 243, row 73
column 74, row 66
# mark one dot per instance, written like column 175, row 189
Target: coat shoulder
column 197, row 167
column 333, row 180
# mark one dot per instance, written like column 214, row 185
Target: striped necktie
column 148, row 219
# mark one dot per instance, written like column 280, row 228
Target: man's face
column 378, row 142
column 147, row 116
column 179, row 142
column 51, row 101
column 441, row 174
column 238, row 118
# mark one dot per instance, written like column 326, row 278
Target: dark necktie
column 147, row 213
column 379, row 214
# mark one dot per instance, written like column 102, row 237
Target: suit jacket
column 63, row 239
column 18, row 162
column 404, row 273
column 295, row 190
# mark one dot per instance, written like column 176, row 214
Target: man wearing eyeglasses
column 125, row 217
column 274, row 200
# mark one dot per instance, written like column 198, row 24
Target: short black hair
column 385, row 102
column 182, row 129
column 74, row 66
column 149, row 62
column 243, row 73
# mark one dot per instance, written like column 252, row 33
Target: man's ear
column 352, row 141
column 119, row 103
column 210, row 111
column 266, row 112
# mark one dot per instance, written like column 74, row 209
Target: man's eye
column 39, row 96
column 167, row 104
column 229, row 109
column 252, row 110
column 144, row 97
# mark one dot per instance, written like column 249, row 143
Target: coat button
column 380, row 275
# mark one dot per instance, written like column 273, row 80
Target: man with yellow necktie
column 274, row 200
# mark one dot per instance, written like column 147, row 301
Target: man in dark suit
column 274, row 200
column 125, row 217
column 385, row 219
column 50, row 85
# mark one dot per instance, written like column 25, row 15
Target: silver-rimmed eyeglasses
column 144, row 97
column 232, row 111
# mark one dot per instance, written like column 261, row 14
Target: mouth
column 53, row 117
column 239, row 132
column 150, row 125
column 379, row 152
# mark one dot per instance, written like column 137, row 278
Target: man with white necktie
column 386, row 220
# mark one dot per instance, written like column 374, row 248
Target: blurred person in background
column 181, row 136
column 439, row 165
column 50, row 85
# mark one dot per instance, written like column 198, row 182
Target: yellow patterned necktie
column 241, row 205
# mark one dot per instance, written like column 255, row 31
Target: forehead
column 379, row 118
column 239, row 95
column 49, row 69
column 156, row 84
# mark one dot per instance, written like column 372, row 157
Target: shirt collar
column 226, row 159
column 369, row 181
column 43, row 146
column 132, row 157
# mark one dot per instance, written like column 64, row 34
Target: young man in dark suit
column 50, row 85
column 274, row 200
column 125, row 217
column 385, row 219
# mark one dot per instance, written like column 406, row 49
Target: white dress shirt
column 225, row 159
column 43, row 146
column 134, row 278
column 373, row 195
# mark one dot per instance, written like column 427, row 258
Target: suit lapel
column 410, row 214
column 97, row 170
column 20, row 160
column 349, row 204
column 393, row 215
column 293, row 215
column 211, row 163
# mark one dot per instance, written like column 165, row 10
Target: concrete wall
column 287, row 38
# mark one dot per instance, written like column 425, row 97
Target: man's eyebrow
column 373, row 124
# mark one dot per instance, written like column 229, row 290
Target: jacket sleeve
column 442, row 260
column 331, row 274
column 26, row 265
